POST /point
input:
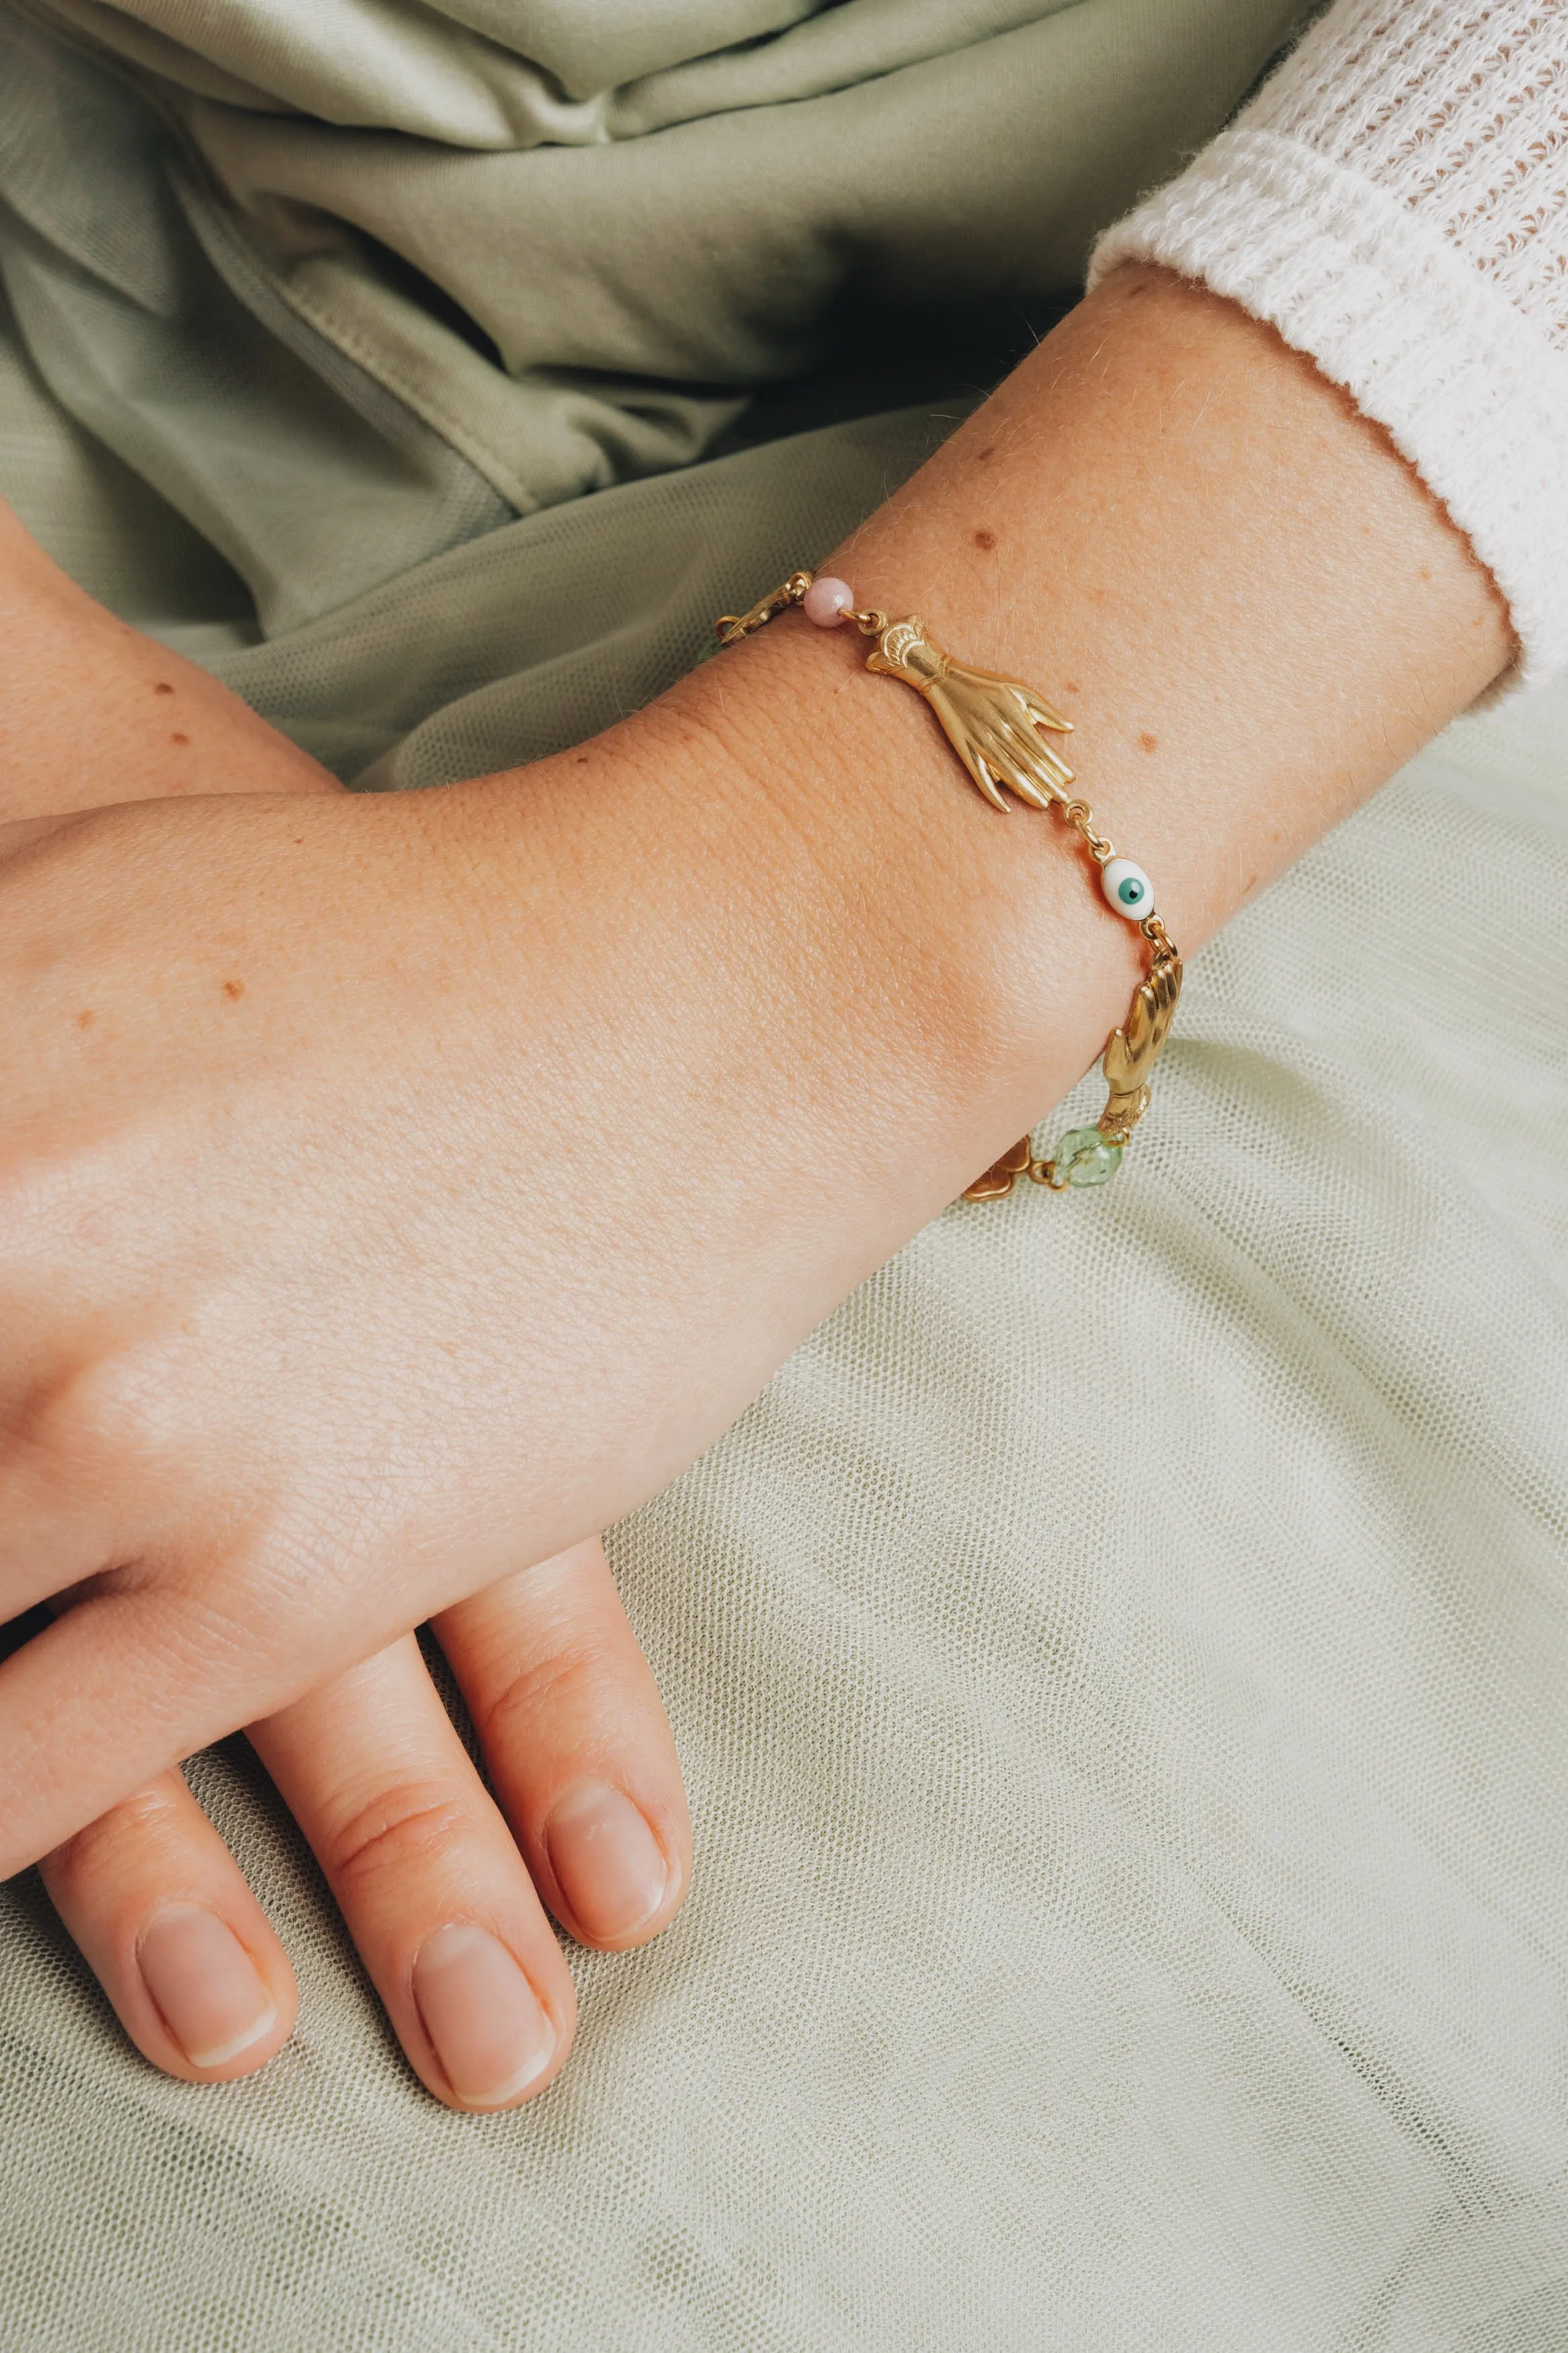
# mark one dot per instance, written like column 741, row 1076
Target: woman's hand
column 330, row 1293
column 445, row 1910
column 394, row 1192
column 443, row 1889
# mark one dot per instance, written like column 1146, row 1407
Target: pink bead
column 826, row 601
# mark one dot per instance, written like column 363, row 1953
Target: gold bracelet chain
column 998, row 726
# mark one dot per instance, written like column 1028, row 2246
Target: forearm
column 1173, row 523
column 1248, row 603
column 93, row 711
column 1166, row 519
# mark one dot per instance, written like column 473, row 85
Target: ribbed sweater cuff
column 1466, row 385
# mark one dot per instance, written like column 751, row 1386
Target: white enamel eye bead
column 1127, row 889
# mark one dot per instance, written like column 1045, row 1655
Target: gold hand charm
column 992, row 723
column 1132, row 1051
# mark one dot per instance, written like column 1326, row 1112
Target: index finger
column 127, row 1683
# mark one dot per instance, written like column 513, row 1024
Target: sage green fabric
column 1120, row 1662
column 352, row 281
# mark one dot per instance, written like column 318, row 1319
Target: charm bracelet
column 994, row 723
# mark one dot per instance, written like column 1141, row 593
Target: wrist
column 972, row 949
column 885, row 978
column 1171, row 526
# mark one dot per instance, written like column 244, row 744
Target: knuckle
column 100, row 1408
column 575, row 1678
column 400, row 1830
column 138, row 1828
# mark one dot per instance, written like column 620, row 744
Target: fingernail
column 479, row 2011
column 204, row 1984
column 610, row 1867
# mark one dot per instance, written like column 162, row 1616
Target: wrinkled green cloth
column 1120, row 1662
column 352, row 282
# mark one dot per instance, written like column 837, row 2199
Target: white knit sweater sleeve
column 1395, row 201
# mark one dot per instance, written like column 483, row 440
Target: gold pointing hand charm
column 992, row 723
column 1132, row 1051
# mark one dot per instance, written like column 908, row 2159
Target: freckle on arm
column 85, row 1020
column 162, row 686
column 985, row 539
column 1147, row 743
column 234, row 988
column 179, row 739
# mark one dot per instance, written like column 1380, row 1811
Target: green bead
column 1084, row 1157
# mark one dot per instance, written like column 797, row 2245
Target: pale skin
column 551, row 1111
column 591, row 1821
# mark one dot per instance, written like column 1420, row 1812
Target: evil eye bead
column 1127, row 889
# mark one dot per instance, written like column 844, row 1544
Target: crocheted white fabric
column 1394, row 201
